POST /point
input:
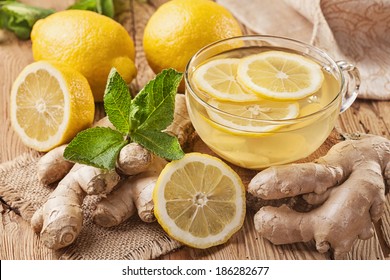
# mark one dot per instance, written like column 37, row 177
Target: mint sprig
column 20, row 18
column 104, row 7
column 141, row 120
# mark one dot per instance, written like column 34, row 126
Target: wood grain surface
column 17, row 240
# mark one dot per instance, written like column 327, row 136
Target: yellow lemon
column 280, row 75
column 50, row 103
column 179, row 28
column 199, row 200
column 252, row 117
column 87, row 41
column 218, row 79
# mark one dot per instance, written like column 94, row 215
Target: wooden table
column 17, row 241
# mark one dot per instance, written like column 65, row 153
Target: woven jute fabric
column 133, row 239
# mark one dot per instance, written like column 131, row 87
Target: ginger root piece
column 347, row 185
column 133, row 159
column 60, row 219
column 52, row 166
column 132, row 195
column 95, row 181
column 181, row 126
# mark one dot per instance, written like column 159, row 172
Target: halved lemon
column 218, row 79
column 199, row 200
column 49, row 104
column 280, row 75
column 252, row 117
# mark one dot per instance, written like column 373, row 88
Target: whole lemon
column 179, row 28
column 88, row 42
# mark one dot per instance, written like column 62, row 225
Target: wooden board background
column 17, row 241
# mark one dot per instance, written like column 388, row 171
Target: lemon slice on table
column 218, row 79
column 252, row 116
column 199, row 200
column 280, row 75
column 50, row 103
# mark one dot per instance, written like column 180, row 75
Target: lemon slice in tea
column 280, row 75
column 218, row 79
column 252, row 117
column 199, row 200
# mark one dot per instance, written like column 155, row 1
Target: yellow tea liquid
column 291, row 141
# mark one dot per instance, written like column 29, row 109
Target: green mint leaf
column 160, row 143
column 104, row 7
column 141, row 119
column 98, row 146
column 107, row 8
column 153, row 107
column 117, row 101
column 20, row 18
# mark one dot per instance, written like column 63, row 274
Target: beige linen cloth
column 354, row 30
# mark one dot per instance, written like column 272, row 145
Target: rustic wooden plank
column 142, row 13
column 366, row 117
column 384, row 225
column 15, row 55
column 366, row 250
column 19, row 242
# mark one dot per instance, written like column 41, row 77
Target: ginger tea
column 247, row 121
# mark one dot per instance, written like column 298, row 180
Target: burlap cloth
column 132, row 239
column 354, row 30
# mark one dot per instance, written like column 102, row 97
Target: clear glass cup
column 287, row 140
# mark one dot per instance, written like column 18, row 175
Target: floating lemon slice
column 280, row 75
column 252, row 117
column 218, row 79
column 50, row 104
column 199, row 200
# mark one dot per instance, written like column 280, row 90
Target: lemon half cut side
column 49, row 104
column 280, row 75
column 199, row 200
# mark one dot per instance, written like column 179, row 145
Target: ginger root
column 346, row 188
column 133, row 159
column 60, row 219
column 124, row 191
column 52, row 166
column 132, row 195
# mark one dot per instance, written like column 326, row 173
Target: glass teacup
column 279, row 141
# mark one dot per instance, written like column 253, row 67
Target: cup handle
column 352, row 84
